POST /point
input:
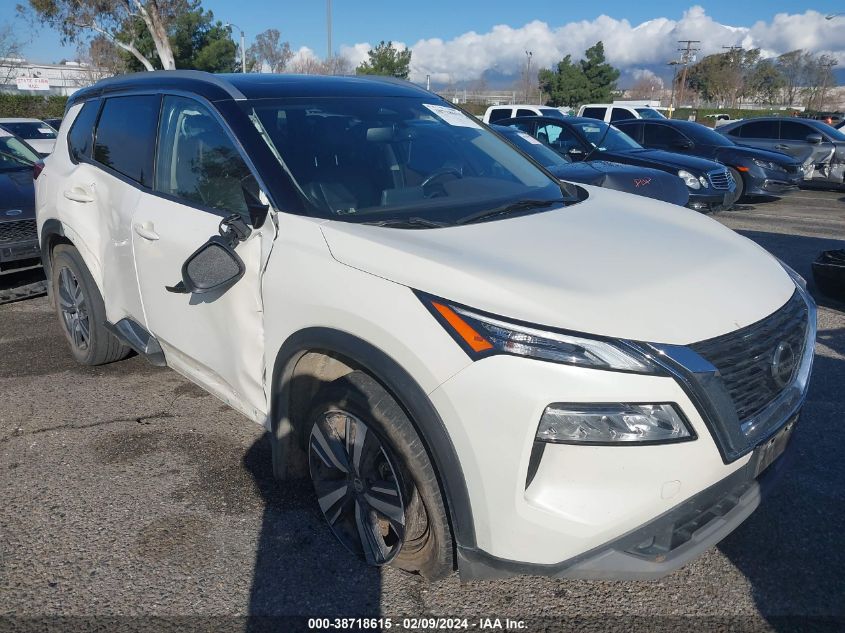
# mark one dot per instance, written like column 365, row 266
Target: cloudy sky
column 457, row 41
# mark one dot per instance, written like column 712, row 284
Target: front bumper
column 660, row 546
column 711, row 200
column 772, row 183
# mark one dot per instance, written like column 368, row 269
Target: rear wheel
column 374, row 482
column 81, row 311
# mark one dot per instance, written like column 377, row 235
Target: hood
column 613, row 265
column 43, row 146
column 17, row 193
column 730, row 153
column 641, row 181
column 661, row 159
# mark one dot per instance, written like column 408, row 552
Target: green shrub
column 31, row 106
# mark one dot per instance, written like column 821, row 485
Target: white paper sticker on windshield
column 45, row 130
column 452, row 116
column 529, row 138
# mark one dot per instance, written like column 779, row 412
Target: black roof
column 239, row 86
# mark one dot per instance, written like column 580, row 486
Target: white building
column 19, row 76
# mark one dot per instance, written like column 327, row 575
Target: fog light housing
column 615, row 423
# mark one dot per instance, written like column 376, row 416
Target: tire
column 81, row 312
column 387, row 487
column 740, row 185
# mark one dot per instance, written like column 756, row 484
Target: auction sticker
column 452, row 116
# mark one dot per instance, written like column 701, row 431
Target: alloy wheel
column 358, row 486
column 74, row 309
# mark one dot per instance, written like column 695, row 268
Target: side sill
column 139, row 339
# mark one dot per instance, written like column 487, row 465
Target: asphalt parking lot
column 129, row 492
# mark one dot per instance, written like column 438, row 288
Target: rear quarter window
column 499, row 114
column 126, row 136
column 81, row 136
column 524, row 112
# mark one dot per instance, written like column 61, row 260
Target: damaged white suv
column 479, row 367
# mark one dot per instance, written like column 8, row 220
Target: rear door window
column 632, row 129
column 126, row 136
column 759, row 129
column 498, row 114
column 661, row 136
column 594, row 113
column 81, row 135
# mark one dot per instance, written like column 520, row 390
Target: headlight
column 690, row 180
column 703, row 182
column 612, row 424
column 481, row 335
column 766, row 164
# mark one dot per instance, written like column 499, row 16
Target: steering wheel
column 439, row 173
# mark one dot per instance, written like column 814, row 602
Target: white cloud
column 652, row 42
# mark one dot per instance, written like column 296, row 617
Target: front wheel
column 740, row 185
column 82, row 314
column 374, row 482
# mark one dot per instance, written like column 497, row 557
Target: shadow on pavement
column 301, row 569
column 791, row 549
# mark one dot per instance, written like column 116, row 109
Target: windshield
column 30, row 130
column 611, row 139
column 15, row 155
column 378, row 159
column 834, row 133
column 534, row 148
column 648, row 113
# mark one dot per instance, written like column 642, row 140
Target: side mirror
column 682, row 144
column 815, row 139
column 215, row 266
column 575, row 153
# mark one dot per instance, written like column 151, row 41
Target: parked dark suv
column 755, row 171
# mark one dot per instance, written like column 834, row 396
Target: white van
column 502, row 112
column 612, row 112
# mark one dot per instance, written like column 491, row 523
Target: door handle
column 78, row 194
column 781, row 146
column 146, row 231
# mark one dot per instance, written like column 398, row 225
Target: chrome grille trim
column 720, row 179
column 744, row 357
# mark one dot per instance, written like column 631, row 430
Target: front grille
column 18, row 231
column 720, row 179
column 745, row 358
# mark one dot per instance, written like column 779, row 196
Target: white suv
column 479, row 366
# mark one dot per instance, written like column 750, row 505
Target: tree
column 102, row 59
column 120, row 21
column 387, row 60
column 566, row 85
column 310, row 65
column 268, row 52
column 791, row 66
column 645, row 87
column 601, row 77
column 764, row 83
column 817, row 78
column 726, row 78
column 337, row 65
column 10, row 53
column 199, row 42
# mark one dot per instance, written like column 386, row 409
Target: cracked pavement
column 129, row 492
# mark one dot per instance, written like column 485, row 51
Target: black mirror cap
column 213, row 267
column 815, row 139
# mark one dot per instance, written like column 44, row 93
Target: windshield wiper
column 19, row 159
column 522, row 205
column 413, row 223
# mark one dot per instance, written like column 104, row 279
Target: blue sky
column 550, row 29
column 303, row 23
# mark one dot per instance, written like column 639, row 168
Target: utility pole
column 687, row 55
column 243, row 44
column 528, row 54
column 329, row 50
column 674, row 64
